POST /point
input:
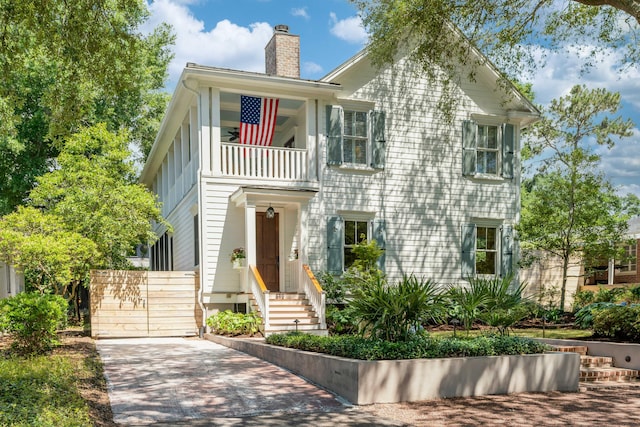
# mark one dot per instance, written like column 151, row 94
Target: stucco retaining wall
column 388, row 381
column 619, row 351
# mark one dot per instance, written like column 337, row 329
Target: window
column 344, row 233
column 630, row 261
column 354, row 232
column 488, row 149
column 355, row 138
column 487, row 250
column 355, row 134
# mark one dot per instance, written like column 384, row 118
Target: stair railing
column 315, row 294
column 260, row 293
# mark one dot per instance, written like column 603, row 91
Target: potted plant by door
column 237, row 257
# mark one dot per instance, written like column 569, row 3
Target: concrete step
column 608, row 374
column 290, row 321
column 596, row 362
column 580, row 349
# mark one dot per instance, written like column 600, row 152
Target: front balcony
column 264, row 163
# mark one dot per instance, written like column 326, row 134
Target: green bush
column 496, row 302
column 230, row 323
column 33, row 319
column 620, row 322
column 419, row 346
column 584, row 316
column 396, row 312
column 608, row 295
column 582, row 298
column 340, row 320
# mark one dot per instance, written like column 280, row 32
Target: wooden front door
column 268, row 250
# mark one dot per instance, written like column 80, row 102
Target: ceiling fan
column 233, row 134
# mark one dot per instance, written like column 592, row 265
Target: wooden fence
column 144, row 304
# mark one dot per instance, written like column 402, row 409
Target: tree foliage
column 568, row 207
column 87, row 213
column 440, row 34
column 65, row 65
column 95, row 194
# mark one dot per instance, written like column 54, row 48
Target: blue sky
column 233, row 33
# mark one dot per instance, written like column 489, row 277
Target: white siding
column 421, row 194
column 181, row 219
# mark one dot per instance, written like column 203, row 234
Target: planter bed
column 389, row 381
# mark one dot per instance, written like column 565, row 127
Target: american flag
column 257, row 120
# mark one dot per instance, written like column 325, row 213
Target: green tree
column 569, row 208
column 52, row 258
column 65, row 65
column 95, row 194
column 440, row 35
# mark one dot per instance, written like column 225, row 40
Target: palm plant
column 396, row 312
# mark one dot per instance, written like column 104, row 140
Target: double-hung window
column 488, row 153
column 343, row 233
column 355, row 137
column 487, row 249
column 355, row 231
column 488, row 149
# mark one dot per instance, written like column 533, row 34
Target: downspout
column 203, row 309
column 318, row 154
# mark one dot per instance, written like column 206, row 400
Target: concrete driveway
column 176, row 381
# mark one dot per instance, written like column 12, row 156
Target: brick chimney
column 282, row 53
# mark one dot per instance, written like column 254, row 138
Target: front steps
column 598, row 372
column 285, row 309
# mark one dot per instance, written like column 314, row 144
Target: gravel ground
column 617, row 406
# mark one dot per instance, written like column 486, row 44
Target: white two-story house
column 361, row 152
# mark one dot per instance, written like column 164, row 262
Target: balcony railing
column 248, row 161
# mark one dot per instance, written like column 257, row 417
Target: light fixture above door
column 270, row 213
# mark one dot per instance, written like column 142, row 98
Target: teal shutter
column 508, row 149
column 506, row 252
column 335, row 247
column 468, row 250
column 378, row 139
column 469, row 154
column 380, row 236
column 334, row 135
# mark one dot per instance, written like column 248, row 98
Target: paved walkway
column 177, row 381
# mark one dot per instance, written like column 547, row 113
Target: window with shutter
column 488, row 149
column 335, row 236
column 487, row 250
column 355, row 138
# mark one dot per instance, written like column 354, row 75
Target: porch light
column 271, row 213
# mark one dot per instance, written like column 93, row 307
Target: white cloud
column 301, row 12
column 349, row 29
column 311, row 68
column 562, row 70
column 227, row 45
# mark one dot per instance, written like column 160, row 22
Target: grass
column 566, row 334
column 43, row 391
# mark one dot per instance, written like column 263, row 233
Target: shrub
column 621, row 322
column 340, row 320
column 582, row 298
column 33, row 319
column 608, row 295
column 418, row 346
column 230, row 323
column 585, row 316
column 396, row 312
